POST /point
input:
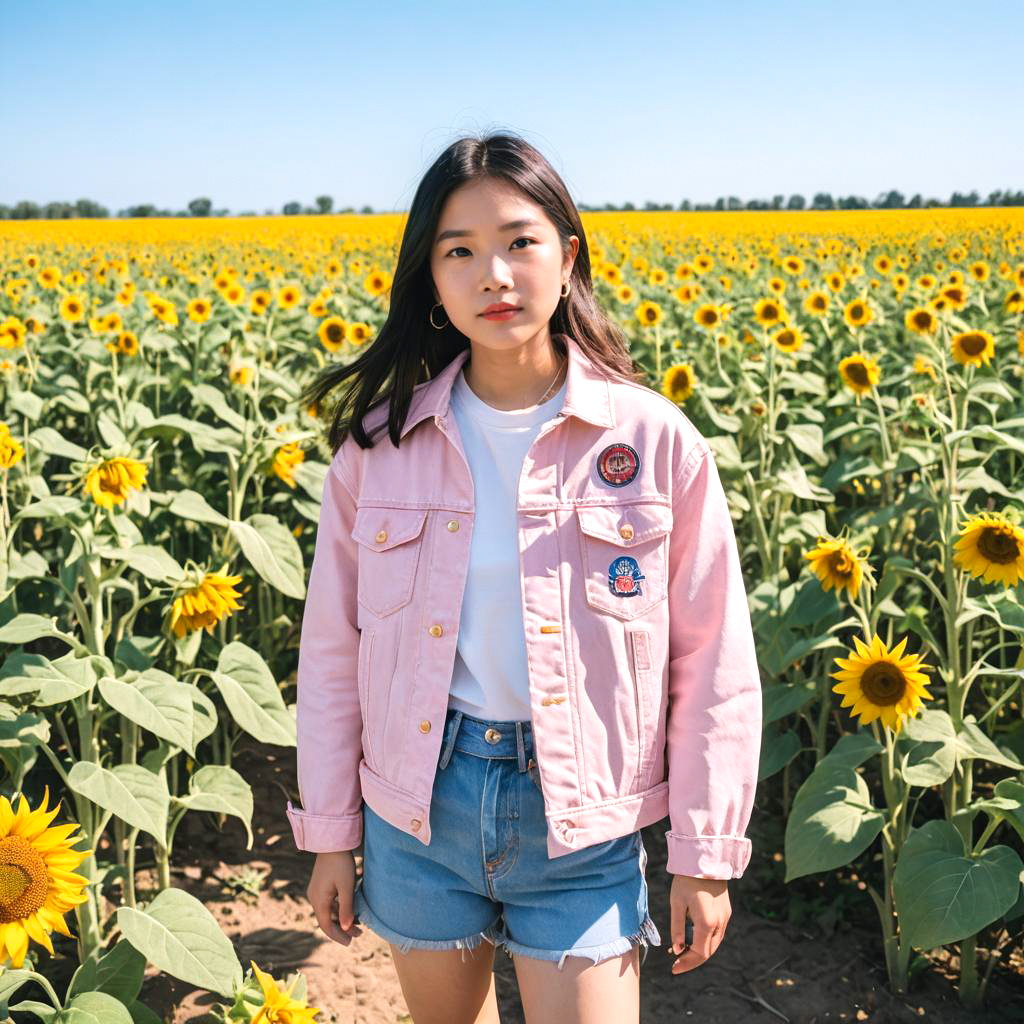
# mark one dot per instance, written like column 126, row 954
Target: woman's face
column 492, row 262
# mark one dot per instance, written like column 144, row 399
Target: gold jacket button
column 626, row 531
column 435, row 630
column 424, row 726
column 415, row 824
column 453, row 524
column 382, row 535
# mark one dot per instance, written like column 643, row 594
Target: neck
column 515, row 378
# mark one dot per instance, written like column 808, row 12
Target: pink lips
column 501, row 314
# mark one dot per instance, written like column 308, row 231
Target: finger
column 325, row 917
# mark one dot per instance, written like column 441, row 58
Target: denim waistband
column 512, row 739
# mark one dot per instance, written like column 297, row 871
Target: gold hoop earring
column 567, row 286
column 437, row 327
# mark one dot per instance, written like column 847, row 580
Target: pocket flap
column 625, row 524
column 383, row 528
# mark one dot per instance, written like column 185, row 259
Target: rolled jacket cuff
column 708, row 856
column 322, row 833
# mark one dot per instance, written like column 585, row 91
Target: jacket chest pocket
column 624, row 551
column 389, row 542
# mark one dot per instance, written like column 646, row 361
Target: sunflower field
column 859, row 376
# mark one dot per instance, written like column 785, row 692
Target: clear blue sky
column 254, row 104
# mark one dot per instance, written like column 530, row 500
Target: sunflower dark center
column 998, row 546
column 334, row 332
column 858, row 373
column 973, row 344
column 883, row 683
column 922, row 320
column 841, row 564
column 856, row 311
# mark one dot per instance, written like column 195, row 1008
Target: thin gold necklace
column 558, row 373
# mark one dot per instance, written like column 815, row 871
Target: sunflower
column 331, row 333
column 11, row 453
column 835, row 281
column 378, row 282
column 920, row 320
column 923, row 365
column 857, row 313
column 979, row 270
column 992, row 547
column 708, row 315
column 259, row 301
column 286, row 458
column 879, row 683
column 611, row 273
column 199, row 310
column 234, row 294
column 955, row 296
column 687, row 292
column 203, row 604
column 12, row 332
column 836, row 564
column 859, row 372
column 113, row 480
column 332, row 268
column 1014, row 301
column 358, row 332
column 678, row 382
column 289, row 296
column 793, row 265
column 48, row 277
column 279, row 1007
column 973, row 348
column 72, row 308
column 769, row 312
column 777, row 285
column 241, row 373
column 625, row 293
column 789, row 339
column 649, row 313
column 816, row 303
column 38, row 885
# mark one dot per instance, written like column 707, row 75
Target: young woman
column 526, row 634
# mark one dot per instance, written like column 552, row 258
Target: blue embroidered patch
column 624, row 577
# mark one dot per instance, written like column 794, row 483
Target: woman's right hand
column 330, row 892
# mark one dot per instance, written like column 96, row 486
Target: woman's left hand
column 707, row 900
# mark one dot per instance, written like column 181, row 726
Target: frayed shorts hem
column 404, row 944
column 647, row 936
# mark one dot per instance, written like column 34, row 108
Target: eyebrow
column 510, row 226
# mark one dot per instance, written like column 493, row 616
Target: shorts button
column 415, row 824
column 626, row 531
column 453, row 525
column 424, row 726
column 492, row 735
column 435, row 630
column 382, row 535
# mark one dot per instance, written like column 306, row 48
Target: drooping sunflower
column 992, row 547
column 11, row 453
column 202, row 604
column 331, row 333
column 857, row 313
column 837, row 565
column 859, row 372
column 649, row 313
column 679, row 382
column 920, row 320
column 278, row 1006
column 973, row 348
column 38, row 885
column 878, row 683
column 113, row 480
column 286, row 458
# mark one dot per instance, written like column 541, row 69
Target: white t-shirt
column 489, row 679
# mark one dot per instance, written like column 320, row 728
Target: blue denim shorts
column 486, row 873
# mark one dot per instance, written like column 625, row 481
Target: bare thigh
column 450, row 986
column 582, row 992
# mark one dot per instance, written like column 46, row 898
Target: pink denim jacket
column 643, row 679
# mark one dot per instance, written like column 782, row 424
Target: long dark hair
column 408, row 350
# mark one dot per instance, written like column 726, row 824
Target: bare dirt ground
column 808, row 952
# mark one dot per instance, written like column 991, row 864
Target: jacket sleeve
column 329, row 718
column 713, row 728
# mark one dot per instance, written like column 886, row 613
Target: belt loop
column 450, row 745
column 521, row 749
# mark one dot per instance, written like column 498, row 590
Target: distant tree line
column 891, row 200
column 203, row 207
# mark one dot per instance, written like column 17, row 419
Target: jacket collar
column 587, row 390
